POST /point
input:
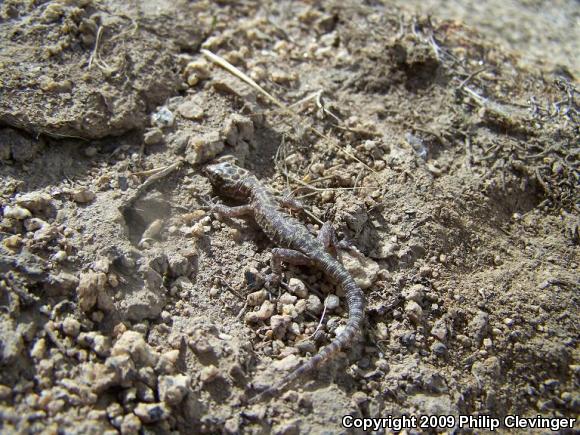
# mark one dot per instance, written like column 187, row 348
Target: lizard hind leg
column 291, row 256
column 327, row 236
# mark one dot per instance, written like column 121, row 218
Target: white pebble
column 257, row 298
column 264, row 313
column 332, row 302
column 414, row 311
column 71, row 326
column 16, row 212
column 60, row 256
column 298, row 288
column 173, row 389
column 314, row 305
column 208, row 374
column 83, row 196
column 414, row 293
column 287, row 299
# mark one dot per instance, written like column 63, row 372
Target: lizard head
column 229, row 179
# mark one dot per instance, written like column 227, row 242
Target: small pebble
column 153, row 137
column 364, row 270
column 279, row 325
column 479, row 325
column 163, row 117
column 151, row 412
column 83, row 196
column 438, row 348
column 314, row 305
column 264, row 313
column 294, row 328
column 34, row 224
column 232, row 426
column 60, row 256
column 327, row 196
column 290, row 428
column 101, row 345
column 301, row 306
column 208, row 374
column 414, row 311
column 297, row 288
column 383, row 365
column 114, row 410
column 130, row 425
column 16, row 212
column 173, row 389
column 439, row 330
column 414, row 293
column 201, row 148
column 190, row 110
column 257, row 298
column 167, row 361
column 133, row 344
column 39, row 349
column 71, row 327
column 509, row 322
column 332, row 302
column 287, row 364
column 287, row 299
column 36, row 202
column 464, row 340
column 13, row 242
column 89, row 287
column 382, row 331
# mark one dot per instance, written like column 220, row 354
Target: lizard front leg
column 291, row 203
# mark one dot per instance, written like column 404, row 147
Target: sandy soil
column 448, row 159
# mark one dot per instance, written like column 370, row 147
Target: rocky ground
column 449, row 161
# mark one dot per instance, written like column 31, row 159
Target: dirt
column 448, row 160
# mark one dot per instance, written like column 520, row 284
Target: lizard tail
column 355, row 299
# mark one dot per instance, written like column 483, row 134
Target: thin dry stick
column 230, row 288
column 306, row 99
column 147, row 173
column 162, row 173
column 95, row 54
column 239, row 74
column 322, row 107
column 96, row 48
column 52, row 335
column 319, row 323
column 242, row 311
column 308, row 186
column 471, row 76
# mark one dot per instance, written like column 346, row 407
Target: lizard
column 296, row 245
